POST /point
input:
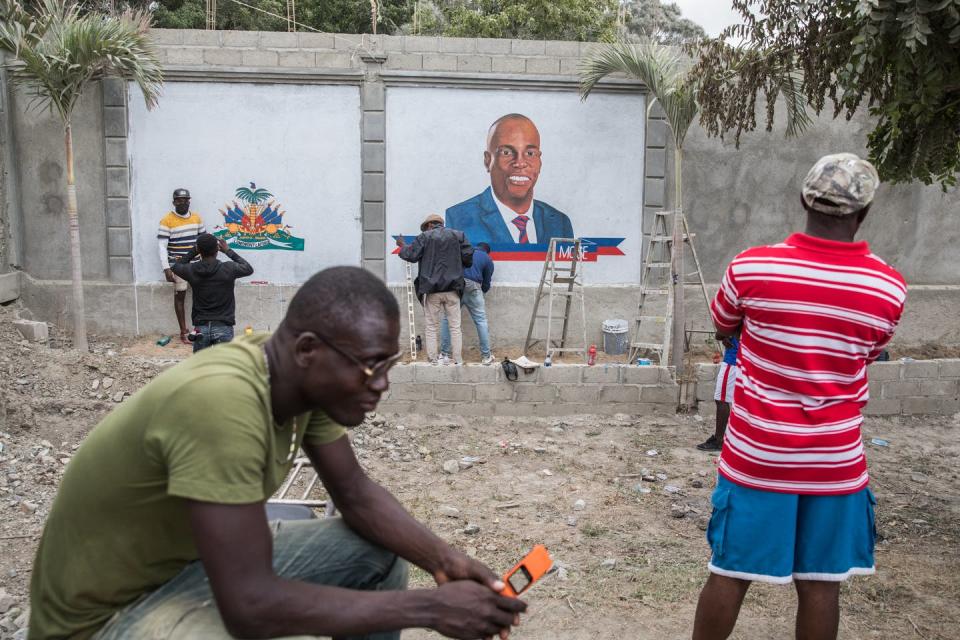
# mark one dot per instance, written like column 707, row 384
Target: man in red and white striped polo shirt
column 792, row 502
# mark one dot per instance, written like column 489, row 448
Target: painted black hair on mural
column 333, row 299
column 207, row 244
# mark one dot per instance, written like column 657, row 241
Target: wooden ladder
column 411, row 316
column 561, row 278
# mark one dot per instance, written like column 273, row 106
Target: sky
column 712, row 15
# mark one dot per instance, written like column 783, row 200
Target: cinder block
column 223, row 57
column 655, row 165
column 932, row 388
column 374, row 126
column 421, row 44
column 372, row 96
column 619, row 393
column 435, row 374
column 921, row 406
column 115, row 123
column 374, row 156
column 317, row 41
column 279, row 40
column 374, row 187
column 660, row 394
column 411, row 391
column 391, row 43
column 707, row 371
column 653, row 192
column 705, row 391
column 528, row 47
column 114, row 92
column 640, row 375
column 300, row 59
column 402, row 373
column 502, row 392
column 439, row 62
column 184, row 55
column 668, row 375
column 882, row 407
column 115, row 150
column 458, row 45
column 579, row 394
column 118, row 182
column 260, row 58
column 657, row 133
column 635, row 409
column 166, row 36
column 376, row 266
column 121, row 269
column 31, row 330
column 474, row 63
column 562, row 48
column 569, row 66
column 508, row 65
column 350, row 41
column 240, row 38
column 330, row 60
column 884, row 371
column 536, row 393
column 543, row 66
column 373, row 216
column 921, row 369
column 950, row 368
column 494, row 46
column 119, row 241
column 562, row 373
column 201, row 38
column 898, row 389
column 373, row 245
column 477, row 374
column 118, row 212
column 453, row 392
column 949, row 406
column 603, row 374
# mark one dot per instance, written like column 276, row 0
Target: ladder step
column 564, row 280
column 652, row 346
column 652, row 318
column 658, row 265
column 686, row 238
column 659, row 292
column 556, row 317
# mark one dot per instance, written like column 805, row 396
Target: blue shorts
column 780, row 537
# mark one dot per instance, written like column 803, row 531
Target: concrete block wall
column 558, row 390
column 913, row 387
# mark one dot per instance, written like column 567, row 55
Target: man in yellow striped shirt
column 177, row 236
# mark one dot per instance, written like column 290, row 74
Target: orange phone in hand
column 523, row 576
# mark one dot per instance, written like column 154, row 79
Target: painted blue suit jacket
column 480, row 220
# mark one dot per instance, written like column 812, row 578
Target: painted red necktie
column 521, row 223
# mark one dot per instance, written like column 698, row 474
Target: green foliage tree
column 661, row 22
column 898, row 59
column 583, row 20
column 59, row 51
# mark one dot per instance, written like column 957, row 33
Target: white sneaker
column 488, row 360
column 444, row 360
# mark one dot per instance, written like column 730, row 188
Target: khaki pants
column 447, row 303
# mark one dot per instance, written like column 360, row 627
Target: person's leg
column 452, row 308
column 722, row 394
column 718, row 607
column 431, row 318
column 318, row 551
column 444, row 335
column 204, row 339
column 179, row 304
column 818, row 609
column 473, row 301
column 221, row 333
column 723, row 416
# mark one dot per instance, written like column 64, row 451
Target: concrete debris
column 697, row 484
column 678, row 511
column 118, row 396
column 28, row 507
column 671, row 488
column 652, row 452
column 546, row 472
column 919, row 478
column 451, row 466
column 33, row 331
column 450, row 512
column 107, row 383
column 639, row 488
column 579, row 505
column 572, row 521
column 6, row 600
column 661, row 476
column 609, row 563
column 471, row 529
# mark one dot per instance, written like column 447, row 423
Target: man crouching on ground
column 159, row 529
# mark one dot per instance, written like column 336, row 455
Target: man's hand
column 401, row 242
column 168, row 274
column 457, row 566
column 465, row 609
column 222, row 245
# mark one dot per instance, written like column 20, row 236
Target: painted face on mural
column 513, row 161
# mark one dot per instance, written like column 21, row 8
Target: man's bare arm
column 236, row 549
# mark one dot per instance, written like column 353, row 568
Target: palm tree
column 59, row 50
column 662, row 69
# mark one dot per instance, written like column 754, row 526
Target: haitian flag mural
column 255, row 225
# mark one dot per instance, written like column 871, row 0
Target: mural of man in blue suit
column 506, row 212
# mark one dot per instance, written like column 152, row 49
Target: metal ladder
column 555, row 276
column 302, row 466
column 657, row 280
column 411, row 317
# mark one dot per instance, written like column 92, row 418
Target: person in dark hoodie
column 212, row 283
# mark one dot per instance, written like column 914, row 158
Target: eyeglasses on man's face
column 377, row 369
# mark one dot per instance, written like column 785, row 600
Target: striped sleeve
column 163, row 232
column 727, row 310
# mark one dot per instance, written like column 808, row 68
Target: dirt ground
column 631, row 556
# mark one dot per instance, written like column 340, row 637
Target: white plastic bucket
column 616, row 337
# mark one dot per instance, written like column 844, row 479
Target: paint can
column 615, row 337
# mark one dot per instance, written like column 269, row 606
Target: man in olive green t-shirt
column 159, row 529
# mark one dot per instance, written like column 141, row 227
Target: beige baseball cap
column 430, row 218
column 840, row 184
